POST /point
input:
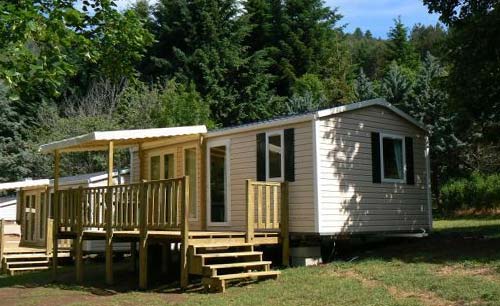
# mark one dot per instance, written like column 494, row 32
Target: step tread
column 12, row 263
column 221, row 245
column 16, row 256
column 239, row 264
column 246, row 275
column 229, row 254
column 28, row 268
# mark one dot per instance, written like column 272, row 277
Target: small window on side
column 154, row 167
column 275, row 158
column 393, row 158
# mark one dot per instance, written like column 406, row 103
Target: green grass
column 458, row 265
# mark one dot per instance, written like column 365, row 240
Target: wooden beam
column 111, row 151
column 2, row 242
column 284, row 228
column 250, row 211
column 143, row 234
column 55, row 223
column 79, row 236
column 202, row 150
column 185, row 232
column 109, row 217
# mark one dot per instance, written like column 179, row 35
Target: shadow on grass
column 475, row 239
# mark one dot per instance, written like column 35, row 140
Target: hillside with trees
column 71, row 67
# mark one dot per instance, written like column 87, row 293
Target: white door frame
column 227, row 144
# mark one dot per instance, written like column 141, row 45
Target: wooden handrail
column 156, row 205
column 263, row 200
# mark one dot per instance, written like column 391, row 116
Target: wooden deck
column 157, row 211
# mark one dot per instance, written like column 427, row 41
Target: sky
column 377, row 15
column 374, row 15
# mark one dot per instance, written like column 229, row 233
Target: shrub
column 477, row 192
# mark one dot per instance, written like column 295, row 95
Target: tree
column 396, row 86
column 202, row 41
column 367, row 53
column 12, row 150
column 399, row 47
column 363, row 87
column 474, row 78
column 297, row 33
column 428, row 39
column 428, row 103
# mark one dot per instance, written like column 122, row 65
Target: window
column 168, row 164
column 393, row 158
column 218, row 183
column 190, row 169
column 154, row 167
column 274, row 156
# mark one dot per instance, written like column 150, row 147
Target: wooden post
column 143, row 243
column 133, row 255
column 49, row 235
column 79, row 236
column 55, row 223
column 184, row 232
column 285, row 237
column 2, row 242
column 250, row 211
column 109, row 217
column 202, row 148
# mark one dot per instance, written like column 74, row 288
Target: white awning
column 98, row 141
column 24, row 184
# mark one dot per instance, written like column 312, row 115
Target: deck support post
column 79, row 237
column 143, row 234
column 55, row 230
column 184, row 233
column 2, row 242
column 285, row 236
column 250, row 212
column 109, row 217
column 133, row 255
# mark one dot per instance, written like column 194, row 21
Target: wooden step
column 21, row 256
column 248, row 275
column 222, row 244
column 13, row 271
column 218, row 283
column 239, row 265
column 23, row 263
column 229, row 254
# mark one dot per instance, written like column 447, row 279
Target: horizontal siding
column 349, row 201
column 243, row 150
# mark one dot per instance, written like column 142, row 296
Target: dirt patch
column 486, row 272
column 426, row 298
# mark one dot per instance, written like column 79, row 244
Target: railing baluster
column 259, row 206
column 268, row 207
column 275, row 208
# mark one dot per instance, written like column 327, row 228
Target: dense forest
column 70, row 67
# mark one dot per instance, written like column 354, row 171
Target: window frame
column 282, row 140
column 403, row 148
column 150, row 157
column 211, row 144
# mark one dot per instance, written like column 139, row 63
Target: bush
column 478, row 192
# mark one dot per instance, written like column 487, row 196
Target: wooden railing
column 267, row 209
column 158, row 204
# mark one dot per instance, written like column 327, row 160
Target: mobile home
column 356, row 169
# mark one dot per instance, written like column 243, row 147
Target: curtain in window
column 398, row 152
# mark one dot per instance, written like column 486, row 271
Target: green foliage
column 399, row 47
column 309, row 84
column 474, row 77
column 429, row 39
column 201, row 41
column 368, row 54
column 363, row 87
column 477, row 192
column 396, row 86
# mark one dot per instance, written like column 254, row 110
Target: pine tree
column 399, row 47
column 396, row 86
column 202, row 41
column 363, row 87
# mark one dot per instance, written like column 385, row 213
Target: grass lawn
column 458, row 265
